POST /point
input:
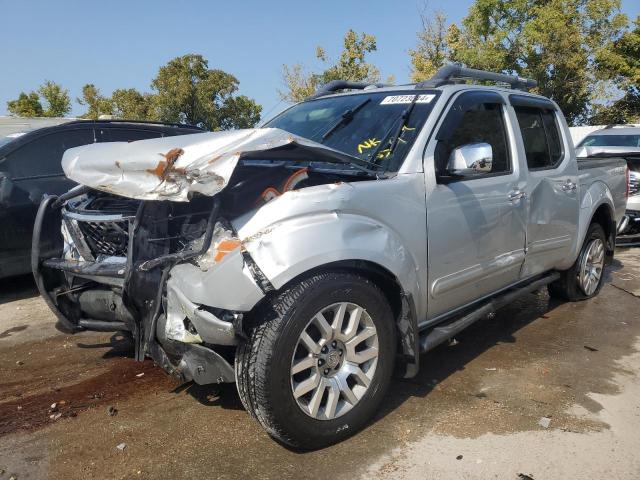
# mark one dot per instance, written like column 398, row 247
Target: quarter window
column 126, row 135
column 540, row 136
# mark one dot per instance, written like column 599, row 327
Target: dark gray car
column 30, row 167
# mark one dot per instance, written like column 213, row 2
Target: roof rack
column 335, row 85
column 146, row 122
column 453, row 71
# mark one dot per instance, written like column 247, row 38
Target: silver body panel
column 447, row 245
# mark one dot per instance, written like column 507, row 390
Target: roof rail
column 454, row 71
column 335, row 85
column 145, row 122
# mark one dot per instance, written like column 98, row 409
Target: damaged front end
column 148, row 247
column 106, row 269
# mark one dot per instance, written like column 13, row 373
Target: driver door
column 476, row 222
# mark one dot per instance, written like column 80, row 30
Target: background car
column 30, row 167
column 623, row 141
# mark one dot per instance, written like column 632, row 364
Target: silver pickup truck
column 308, row 259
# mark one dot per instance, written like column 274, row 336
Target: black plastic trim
column 517, row 100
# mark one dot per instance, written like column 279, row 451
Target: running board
column 433, row 337
column 102, row 325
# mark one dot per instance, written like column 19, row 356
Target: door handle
column 569, row 186
column 516, row 195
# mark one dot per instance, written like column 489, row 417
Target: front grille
column 99, row 224
column 109, row 238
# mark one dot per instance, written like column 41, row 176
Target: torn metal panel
column 207, row 327
column 229, row 286
column 172, row 168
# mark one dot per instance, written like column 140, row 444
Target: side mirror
column 6, row 185
column 470, row 159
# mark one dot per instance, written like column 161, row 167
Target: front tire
column 586, row 276
column 318, row 360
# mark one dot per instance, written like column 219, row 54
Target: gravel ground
column 474, row 411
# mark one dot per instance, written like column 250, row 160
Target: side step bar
column 433, row 337
column 102, row 325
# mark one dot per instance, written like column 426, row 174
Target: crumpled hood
column 171, row 168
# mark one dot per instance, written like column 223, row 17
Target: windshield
column 611, row 141
column 358, row 124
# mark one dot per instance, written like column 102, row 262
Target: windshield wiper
column 345, row 118
column 392, row 139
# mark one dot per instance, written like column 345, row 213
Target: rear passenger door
column 34, row 169
column 552, row 184
column 476, row 225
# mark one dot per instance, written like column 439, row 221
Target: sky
column 121, row 44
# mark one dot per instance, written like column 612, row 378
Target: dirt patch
column 35, row 375
column 124, row 378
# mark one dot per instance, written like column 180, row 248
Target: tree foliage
column 26, row 105
column 185, row 90
column 620, row 63
column 432, row 49
column 351, row 65
column 188, row 91
column 556, row 42
column 55, row 98
column 96, row 103
column 130, row 104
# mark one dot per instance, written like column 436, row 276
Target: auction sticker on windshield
column 399, row 99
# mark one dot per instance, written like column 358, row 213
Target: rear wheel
column 319, row 361
column 585, row 278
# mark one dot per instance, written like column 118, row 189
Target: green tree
column 26, row 105
column 432, row 49
column 556, row 42
column 188, row 91
column 130, row 104
column 620, row 63
column 56, row 98
column 96, row 103
column 351, row 65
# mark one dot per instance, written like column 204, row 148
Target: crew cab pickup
column 308, row 259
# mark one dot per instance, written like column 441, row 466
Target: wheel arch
column 597, row 205
column 605, row 217
column 401, row 302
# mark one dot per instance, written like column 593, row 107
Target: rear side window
column 126, row 134
column 541, row 137
column 43, row 155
